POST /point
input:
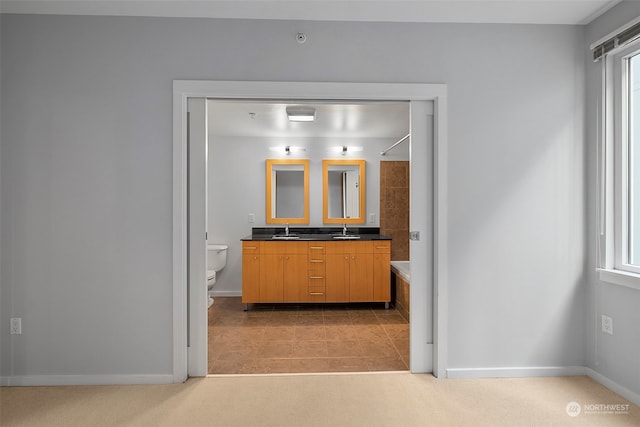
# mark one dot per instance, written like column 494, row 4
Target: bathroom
column 243, row 134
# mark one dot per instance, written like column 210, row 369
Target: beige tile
column 402, row 346
column 344, row 349
column 386, row 364
column 240, row 334
column 271, row 366
column 341, row 333
column 370, row 332
column 313, row 349
column 275, row 349
column 337, row 320
column 378, row 349
column 279, row 333
column 310, row 310
column 310, row 320
column 309, row 365
column 347, row 364
column 282, row 320
column 397, row 331
column 231, row 367
column 388, row 319
column 365, row 321
column 307, row 333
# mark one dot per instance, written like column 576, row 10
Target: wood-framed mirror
column 287, row 191
column 343, row 191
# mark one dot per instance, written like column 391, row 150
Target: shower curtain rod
column 382, row 153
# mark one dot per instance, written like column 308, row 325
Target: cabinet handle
column 316, row 277
column 316, row 247
column 251, row 247
column 316, row 260
column 316, row 293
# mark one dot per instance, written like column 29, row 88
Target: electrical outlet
column 251, row 218
column 372, row 218
column 607, row 324
column 16, row 326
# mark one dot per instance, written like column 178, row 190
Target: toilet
column 216, row 260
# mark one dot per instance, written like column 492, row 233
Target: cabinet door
column 250, row 272
column 295, row 277
column 381, row 277
column 271, row 278
column 250, row 278
column 337, row 277
column 360, row 277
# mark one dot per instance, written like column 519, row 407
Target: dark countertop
column 314, row 234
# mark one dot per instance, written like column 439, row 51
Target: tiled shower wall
column 394, row 206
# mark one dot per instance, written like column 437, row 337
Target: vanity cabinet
column 316, row 271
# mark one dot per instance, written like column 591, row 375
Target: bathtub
column 402, row 268
column 400, row 281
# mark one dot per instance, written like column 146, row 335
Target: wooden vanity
column 316, row 271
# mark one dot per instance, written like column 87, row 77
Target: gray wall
column 617, row 356
column 87, row 176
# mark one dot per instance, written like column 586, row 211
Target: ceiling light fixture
column 301, row 114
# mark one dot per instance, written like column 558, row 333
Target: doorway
column 427, row 216
column 294, row 337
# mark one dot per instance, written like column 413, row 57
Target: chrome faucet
column 286, row 229
column 344, row 229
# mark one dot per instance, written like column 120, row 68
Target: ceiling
column 333, row 119
column 572, row 12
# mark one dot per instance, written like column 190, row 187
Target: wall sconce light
column 301, row 114
column 344, row 149
column 288, row 149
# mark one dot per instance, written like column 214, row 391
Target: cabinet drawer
column 250, row 248
column 317, row 267
column 381, row 247
column 317, row 283
column 316, row 249
column 316, row 297
column 284, row 247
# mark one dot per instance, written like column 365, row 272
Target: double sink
column 298, row 236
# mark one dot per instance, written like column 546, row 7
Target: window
column 632, row 65
column 619, row 168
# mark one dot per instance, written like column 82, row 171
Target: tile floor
column 277, row 338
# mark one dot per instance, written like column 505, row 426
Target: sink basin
column 285, row 237
column 346, row 236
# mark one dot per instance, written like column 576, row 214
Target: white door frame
column 184, row 89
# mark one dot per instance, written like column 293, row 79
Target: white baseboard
column 614, row 386
column 54, row 380
column 215, row 293
column 517, row 372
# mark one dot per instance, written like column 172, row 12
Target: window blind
column 619, row 39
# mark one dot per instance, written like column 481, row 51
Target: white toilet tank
column 216, row 256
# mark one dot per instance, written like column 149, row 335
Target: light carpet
column 381, row 399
